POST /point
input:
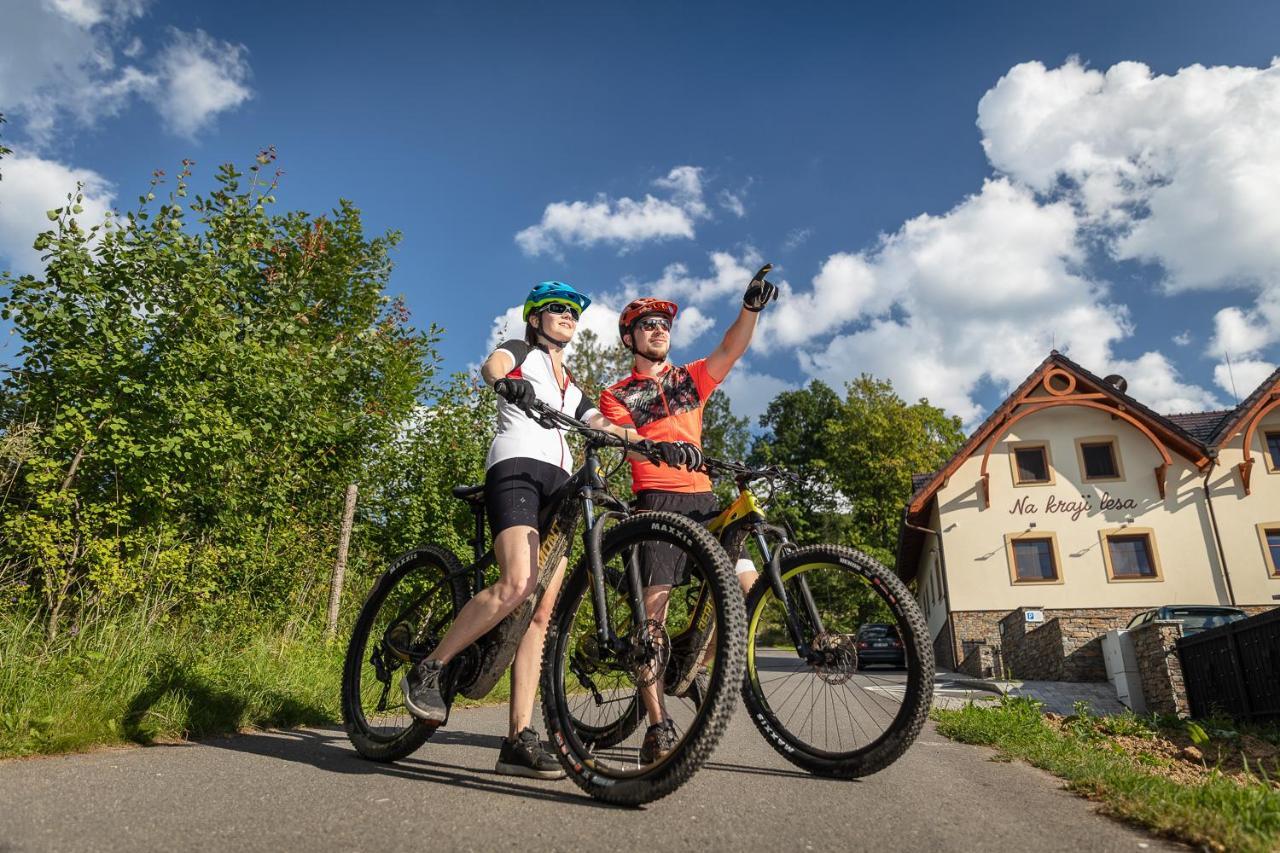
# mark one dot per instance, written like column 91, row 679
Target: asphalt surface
column 307, row 790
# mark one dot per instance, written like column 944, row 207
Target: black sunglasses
column 560, row 308
column 653, row 324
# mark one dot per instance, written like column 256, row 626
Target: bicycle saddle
column 473, row 494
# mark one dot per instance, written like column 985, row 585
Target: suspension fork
column 773, row 560
column 593, row 539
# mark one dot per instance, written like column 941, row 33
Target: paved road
column 306, row 790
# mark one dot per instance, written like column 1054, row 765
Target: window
column 1031, row 465
column 1272, row 440
column 1099, row 459
column 1269, row 535
column 1130, row 554
column 1033, row 558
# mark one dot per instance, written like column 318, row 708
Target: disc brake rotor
column 837, row 657
column 649, row 652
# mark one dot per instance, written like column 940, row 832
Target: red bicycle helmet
column 638, row 308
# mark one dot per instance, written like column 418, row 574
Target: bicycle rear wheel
column 405, row 616
column 614, row 772
column 831, row 714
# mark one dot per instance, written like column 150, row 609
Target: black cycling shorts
column 516, row 489
column 662, row 564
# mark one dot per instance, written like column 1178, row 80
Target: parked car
column 878, row 642
column 1194, row 617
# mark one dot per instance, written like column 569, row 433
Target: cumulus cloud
column 729, row 274
column 750, row 392
column 1179, row 170
column 624, row 222
column 1239, row 378
column 76, row 62
column 32, row 186
column 201, row 77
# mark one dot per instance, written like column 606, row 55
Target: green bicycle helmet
column 546, row 292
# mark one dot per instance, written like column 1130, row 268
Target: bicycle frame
column 578, row 500
column 745, row 518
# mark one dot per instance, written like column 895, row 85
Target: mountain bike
column 598, row 625
column 809, row 686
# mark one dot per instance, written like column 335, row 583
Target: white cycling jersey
column 519, row 436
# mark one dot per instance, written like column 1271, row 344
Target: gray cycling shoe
column 659, row 740
column 526, row 756
column 422, row 694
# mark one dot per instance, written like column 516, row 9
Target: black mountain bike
column 598, row 627
column 809, row 684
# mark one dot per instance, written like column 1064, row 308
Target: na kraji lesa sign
column 1072, row 508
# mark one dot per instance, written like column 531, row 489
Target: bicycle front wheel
column 854, row 705
column 578, row 673
column 406, row 614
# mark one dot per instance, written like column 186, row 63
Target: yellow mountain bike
column 840, row 670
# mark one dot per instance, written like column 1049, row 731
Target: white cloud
column 624, row 222
column 1239, row 378
column 88, row 13
column 201, row 77
column 796, row 238
column 733, row 202
column 1183, row 338
column 1177, row 170
column 76, row 61
column 750, row 392
column 32, row 186
column 730, row 274
column 1154, row 381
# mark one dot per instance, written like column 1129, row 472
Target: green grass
column 122, row 680
column 1218, row 813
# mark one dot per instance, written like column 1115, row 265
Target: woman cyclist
column 527, row 463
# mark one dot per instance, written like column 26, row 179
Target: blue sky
column 1124, row 213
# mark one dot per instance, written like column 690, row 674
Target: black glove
column 517, row 391
column 691, row 455
column 668, row 452
column 759, row 291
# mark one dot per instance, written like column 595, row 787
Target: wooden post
column 340, row 566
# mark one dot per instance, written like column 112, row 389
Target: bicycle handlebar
column 745, row 473
column 552, row 418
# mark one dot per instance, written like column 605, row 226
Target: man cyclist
column 664, row 402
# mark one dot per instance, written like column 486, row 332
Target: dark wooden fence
column 1235, row 669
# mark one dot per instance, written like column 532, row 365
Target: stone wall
column 1163, row 688
column 1067, row 646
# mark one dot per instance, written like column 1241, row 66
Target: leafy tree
column 197, row 394
column 858, row 455
column 874, row 446
column 444, row 445
column 795, row 437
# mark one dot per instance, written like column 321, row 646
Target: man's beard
column 656, row 354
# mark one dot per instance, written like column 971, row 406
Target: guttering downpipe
column 1213, row 522
column 946, row 591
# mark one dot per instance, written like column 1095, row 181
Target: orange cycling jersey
column 663, row 408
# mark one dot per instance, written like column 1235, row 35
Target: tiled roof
column 918, row 480
column 1201, row 426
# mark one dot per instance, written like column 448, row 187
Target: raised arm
column 738, row 337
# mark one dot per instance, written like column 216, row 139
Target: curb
column 965, row 681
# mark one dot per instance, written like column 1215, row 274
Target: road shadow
column 209, row 710
column 328, row 749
